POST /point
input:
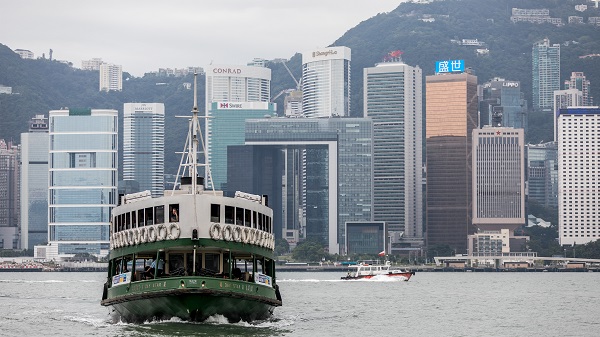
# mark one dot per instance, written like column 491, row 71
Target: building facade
column 393, row 100
column 564, row 99
column 83, row 162
column 546, row 74
column 111, row 77
column 326, row 82
column 34, row 183
column 451, row 106
column 93, row 64
column 10, row 158
column 502, row 104
column 578, row 182
column 144, row 147
column 579, row 82
column 235, row 83
column 542, row 174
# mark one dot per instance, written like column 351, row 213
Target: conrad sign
column 235, row 71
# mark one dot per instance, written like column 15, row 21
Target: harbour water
column 320, row 304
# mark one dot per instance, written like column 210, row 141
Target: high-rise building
column 393, row 100
column 578, row 181
column 10, row 157
column 502, row 104
column 226, row 128
column 144, row 147
column 227, row 83
column 546, row 74
column 542, row 174
column 498, row 178
column 82, row 181
column 292, row 104
column 326, row 82
column 451, row 106
column 111, row 77
column 579, row 82
column 93, row 64
column 34, row 183
column 564, row 99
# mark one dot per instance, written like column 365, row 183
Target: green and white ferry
column 214, row 254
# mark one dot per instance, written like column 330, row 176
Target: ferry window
column 122, row 221
column 140, row 217
column 247, row 217
column 260, row 221
column 174, row 213
column 215, row 213
column 229, row 215
column 269, row 224
column 239, row 216
column 159, row 214
column 254, row 217
column 212, row 262
column 128, row 220
column 176, row 265
column 149, row 216
column 189, row 263
column 133, row 222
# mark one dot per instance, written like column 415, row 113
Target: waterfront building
column 93, row 64
column 326, row 174
column 502, row 104
column 546, row 74
column 578, row 181
column 451, row 106
column 326, row 82
column 498, row 178
column 579, row 82
column 83, row 158
column 393, row 100
column 564, row 99
column 34, row 183
column 226, row 128
column 10, row 158
column 144, row 147
column 111, row 77
column 366, row 237
column 542, row 174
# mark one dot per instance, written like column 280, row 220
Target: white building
column 562, row 100
column 111, row 77
column 578, row 180
column 93, row 64
column 144, row 147
column 326, row 82
column 25, row 54
column 393, row 100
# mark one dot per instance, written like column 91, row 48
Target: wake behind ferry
column 192, row 253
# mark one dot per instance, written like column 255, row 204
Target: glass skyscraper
column 326, row 82
column 546, row 74
column 393, row 100
column 542, row 177
column 144, row 147
column 83, row 163
column 34, row 185
column 502, row 104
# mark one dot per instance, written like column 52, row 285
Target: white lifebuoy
column 119, row 239
column 143, row 235
column 236, row 234
column 246, row 235
column 174, row 227
column 151, row 233
column 215, row 231
column 128, row 237
column 226, row 231
column 136, row 236
column 256, row 236
column 161, row 232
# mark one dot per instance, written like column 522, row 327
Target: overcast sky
column 145, row 35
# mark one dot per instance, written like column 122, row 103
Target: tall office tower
column 498, row 178
column 578, row 183
column 144, row 147
column 326, row 82
column 451, row 106
column 393, row 100
column 326, row 175
column 542, row 177
column 10, row 157
column 502, row 104
column 579, row 82
column 93, row 64
column 564, row 99
column 111, row 77
column 546, row 74
column 226, row 128
column 82, row 181
column 34, row 183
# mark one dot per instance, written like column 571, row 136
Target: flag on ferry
column 382, row 253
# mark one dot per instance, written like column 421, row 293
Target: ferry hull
column 404, row 276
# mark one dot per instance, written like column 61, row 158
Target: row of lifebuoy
column 135, row 236
column 246, row 235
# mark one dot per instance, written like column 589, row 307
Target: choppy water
column 320, row 304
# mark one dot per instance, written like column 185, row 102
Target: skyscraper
column 451, row 106
column 579, row 82
column 10, row 157
column 498, row 178
column 502, row 104
column 234, row 83
column 34, row 185
column 542, row 177
column 546, row 74
column 111, row 77
column 564, row 99
column 82, row 180
column 326, row 82
column 393, row 100
column 578, row 181
column 144, row 147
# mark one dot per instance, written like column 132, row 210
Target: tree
column 282, row 247
column 309, row 251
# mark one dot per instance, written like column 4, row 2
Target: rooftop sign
column 450, row 66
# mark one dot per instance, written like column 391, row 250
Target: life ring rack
column 215, row 231
column 174, row 228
